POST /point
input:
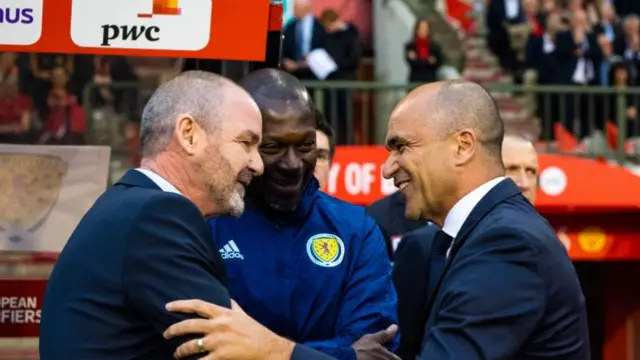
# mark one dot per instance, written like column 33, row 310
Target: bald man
column 520, row 161
column 499, row 284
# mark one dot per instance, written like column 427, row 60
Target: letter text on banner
column 20, row 304
column 204, row 29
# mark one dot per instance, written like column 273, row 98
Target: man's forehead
column 519, row 154
column 322, row 140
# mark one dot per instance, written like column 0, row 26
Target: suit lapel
column 501, row 192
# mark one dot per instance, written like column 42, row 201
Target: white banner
column 45, row 191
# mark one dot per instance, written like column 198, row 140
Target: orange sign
column 566, row 183
column 220, row 29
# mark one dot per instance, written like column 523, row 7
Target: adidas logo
column 231, row 251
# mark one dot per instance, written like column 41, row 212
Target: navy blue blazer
column 411, row 278
column 508, row 291
column 136, row 249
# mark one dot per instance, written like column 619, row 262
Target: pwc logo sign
column 20, row 21
column 183, row 25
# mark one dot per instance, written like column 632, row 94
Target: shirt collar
column 162, row 183
column 461, row 210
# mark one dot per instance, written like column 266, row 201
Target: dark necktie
column 438, row 259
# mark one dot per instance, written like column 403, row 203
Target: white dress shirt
column 511, row 8
column 162, row 183
column 462, row 209
column 306, row 30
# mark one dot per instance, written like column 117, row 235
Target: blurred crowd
column 41, row 95
column 548, row 42
column 574, row 42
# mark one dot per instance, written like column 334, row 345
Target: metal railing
column 359, row 112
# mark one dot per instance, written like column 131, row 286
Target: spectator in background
column 520, row 161
column 578, row 54
column 326, row 147
column 500, row 15
column 423, row 55
column 302, row 35
column 608, row 57
column 548, row 7
column 15, row 108
column 608, row 24
column 343, row 45
column 620, row 79
column 38, row 75
column 631, row 46
column 540, row 65
column 65, row 123
column 110, row 69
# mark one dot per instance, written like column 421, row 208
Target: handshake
column 231, row 334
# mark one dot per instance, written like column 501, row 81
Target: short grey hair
column 195, row 93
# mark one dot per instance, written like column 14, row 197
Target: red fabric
column 422, row 48
column 11, row 109
column 536, row 29
column 58, row 117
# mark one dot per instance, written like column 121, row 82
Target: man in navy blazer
column 497, row 283
column 145, row 242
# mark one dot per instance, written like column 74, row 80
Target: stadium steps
column 483, row 68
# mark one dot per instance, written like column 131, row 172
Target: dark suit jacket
column 410, row 277
column 567, row 61
column 537, row 59
column 290, row 44
column 509, row 289
column 388, row 213
column 135, row 250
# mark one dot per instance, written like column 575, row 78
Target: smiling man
column 495, row 270
column 308, row 266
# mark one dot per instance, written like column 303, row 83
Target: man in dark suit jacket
column 412, row 287
column 388, row 213
column 497, row 283
column 145, row 241
column 302, row 35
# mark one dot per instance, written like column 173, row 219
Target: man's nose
column 390, row 167
column 291, row 161
column 523, row 181
column 255, row 163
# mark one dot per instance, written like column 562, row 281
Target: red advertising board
column 20, row 307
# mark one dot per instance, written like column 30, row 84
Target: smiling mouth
column 286, row 184
column 402, row 184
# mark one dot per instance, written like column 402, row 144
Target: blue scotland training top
column 320, row 277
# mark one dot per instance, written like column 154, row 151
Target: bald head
column 277, row 91
column 449, row 106
column 521, row 164
column 194, row 93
